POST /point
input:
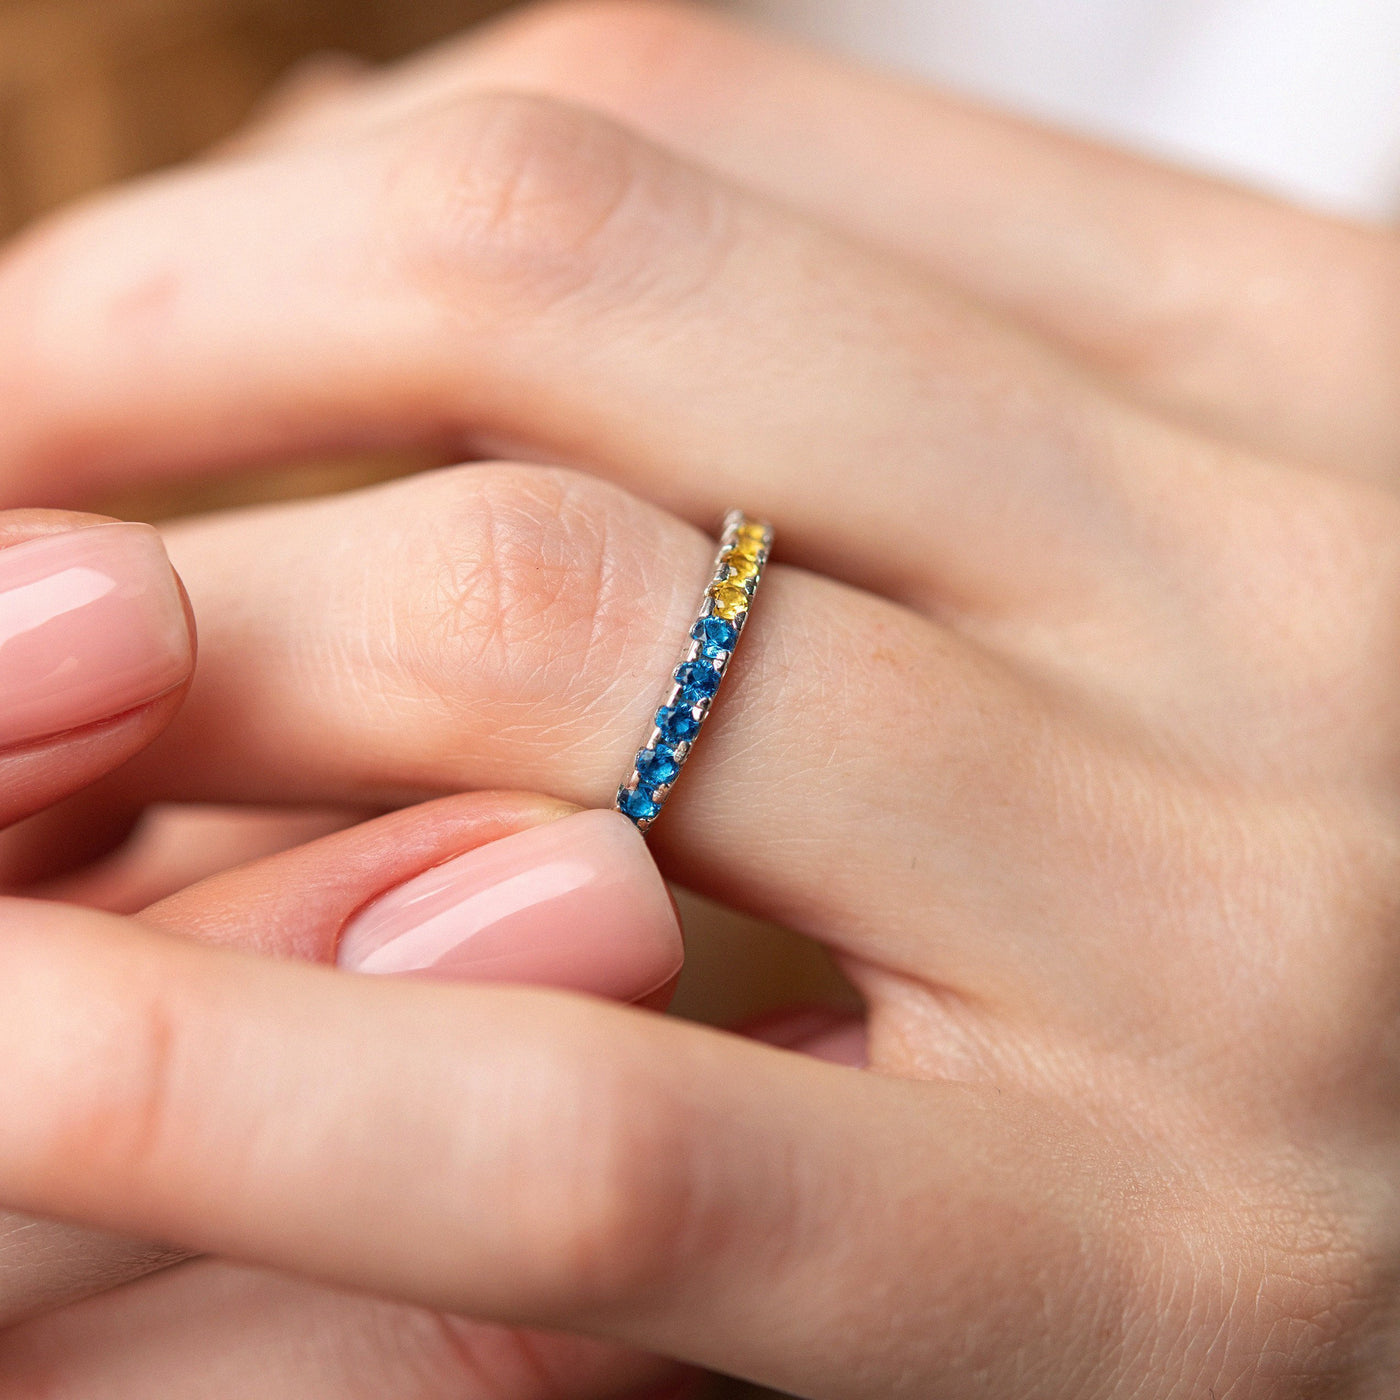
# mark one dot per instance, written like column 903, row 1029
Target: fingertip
column 93, row 625
column 575, row 903
column 487, row 886
column 97, row 648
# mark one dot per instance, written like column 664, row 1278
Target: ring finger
column 868, row 777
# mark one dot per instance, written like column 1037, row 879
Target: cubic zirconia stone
column 740, row 566
column 698, row 679
column 716, row 636
column 677, row 724
column 731, row 599
column 637, row 805
column 656, row 767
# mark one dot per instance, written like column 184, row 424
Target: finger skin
column 1228, row 309
column 294, row 905
column 210, row 1329
column 534, row 1158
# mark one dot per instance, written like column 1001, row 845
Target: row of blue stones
column 677, row 724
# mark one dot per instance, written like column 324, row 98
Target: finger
column 520, row 891
column 174, row 847
column 501, row 625
column 489, row 887
column 906, row 442
column 213, row 1329
column 543, row 1159
column 1250, row 317
column 96, row 650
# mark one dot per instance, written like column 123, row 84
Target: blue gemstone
column 715, row 635
column 677, row 724
column 697, row 678
column 638, row 805
column 657, row 766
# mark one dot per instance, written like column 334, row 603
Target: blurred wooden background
column 92, row 90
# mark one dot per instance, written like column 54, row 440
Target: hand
column 1077, row 740
column 98, row 653
column 609, row 929
column 98, row 650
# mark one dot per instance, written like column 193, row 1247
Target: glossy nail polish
column 575, row 903
column 91, row 625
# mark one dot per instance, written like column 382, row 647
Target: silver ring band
column 744, row 547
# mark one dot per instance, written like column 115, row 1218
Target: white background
column 1301, row 97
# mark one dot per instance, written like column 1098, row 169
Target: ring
column 744, row 547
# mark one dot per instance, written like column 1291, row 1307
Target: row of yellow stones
column 741, row 561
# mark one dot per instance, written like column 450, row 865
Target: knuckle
column 81, row 275
column 1177, row 324
column 521, row 203
column 632, row 1214
column 531, row 586
column 34, row 282
column 119, row 1089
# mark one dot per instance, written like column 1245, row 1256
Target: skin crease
column 1085, row 605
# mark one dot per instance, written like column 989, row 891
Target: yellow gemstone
column 731, row 599
column 750, row 531
column 740, row 566
column 747, row 549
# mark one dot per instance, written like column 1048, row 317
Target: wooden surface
column 93, row 90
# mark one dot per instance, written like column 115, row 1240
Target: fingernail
column 574, row 903
column 91, row 625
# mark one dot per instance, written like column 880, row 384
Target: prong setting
column 744, row 547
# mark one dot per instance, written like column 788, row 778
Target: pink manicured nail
column 575, row 903
column 91, row 625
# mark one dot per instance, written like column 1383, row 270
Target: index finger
column 537, row 1158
